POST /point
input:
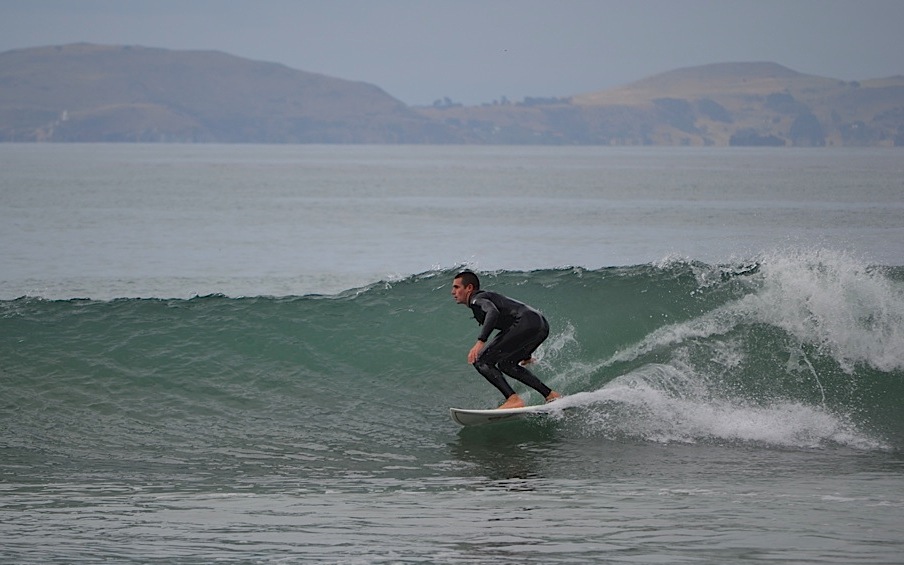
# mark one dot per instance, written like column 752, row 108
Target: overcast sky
column 476, row 51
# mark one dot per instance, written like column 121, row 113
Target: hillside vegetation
column 87, row 92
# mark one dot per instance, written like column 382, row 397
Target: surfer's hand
column 475, row 351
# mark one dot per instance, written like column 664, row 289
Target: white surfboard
column 478, row 417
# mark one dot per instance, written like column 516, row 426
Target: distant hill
column 89, row 92
column 718, row 104
column 740, row 103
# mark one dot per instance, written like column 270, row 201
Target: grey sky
column 476, row 51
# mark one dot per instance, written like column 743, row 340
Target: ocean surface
column 246, row 354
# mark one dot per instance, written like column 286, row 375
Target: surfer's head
column 464, row 285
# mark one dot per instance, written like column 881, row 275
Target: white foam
column 664, row 404
column 826, row 299
column 837, row 303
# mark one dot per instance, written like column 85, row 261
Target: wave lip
column 849, row 310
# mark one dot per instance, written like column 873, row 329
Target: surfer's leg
column 486, row 366
column 516, row 371
column 521, row 344
column 492, row 374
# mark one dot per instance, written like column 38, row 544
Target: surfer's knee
column 484, row 368
column 494, row 377
column 509, row 367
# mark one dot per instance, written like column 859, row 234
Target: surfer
column 521, row 330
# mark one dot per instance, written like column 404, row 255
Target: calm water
column 245, row 354
column 106, row 221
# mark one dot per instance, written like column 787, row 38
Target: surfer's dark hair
column 467, row 277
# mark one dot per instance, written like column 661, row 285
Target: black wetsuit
column 521, row 330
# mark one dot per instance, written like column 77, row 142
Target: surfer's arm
column 491, row 314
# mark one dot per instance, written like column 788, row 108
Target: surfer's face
column 460, row 292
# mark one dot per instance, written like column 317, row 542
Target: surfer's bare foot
column 553, row 396
column 528, row 361
column 514, row 401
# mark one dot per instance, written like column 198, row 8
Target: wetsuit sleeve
column 489, row 322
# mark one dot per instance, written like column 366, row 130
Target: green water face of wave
column 794, row 350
